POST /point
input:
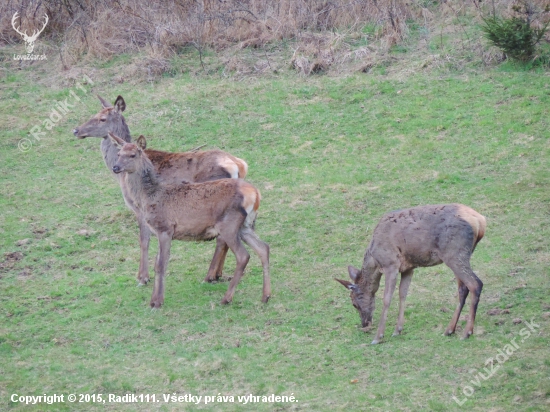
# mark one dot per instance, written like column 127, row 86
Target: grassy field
column 330, row 156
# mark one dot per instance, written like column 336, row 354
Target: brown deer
column 170, row 167
column 406, row 239
column 224, row 210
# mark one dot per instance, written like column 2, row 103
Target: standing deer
column 224, row 210
column 406, row 239
column 171, row 168
column 29, row 40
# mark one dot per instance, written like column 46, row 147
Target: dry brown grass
column 242, row 32
column 105, row 28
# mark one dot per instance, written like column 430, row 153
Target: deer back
column 195, row 166
column 421, row 236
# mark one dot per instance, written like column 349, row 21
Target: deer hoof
column 265, row 299
column 225, row 301
column 214, row 278
column 466, row 335
column 156, row 304
column 374, row 342
column 449, row 332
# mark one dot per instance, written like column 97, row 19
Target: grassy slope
column 330, row 157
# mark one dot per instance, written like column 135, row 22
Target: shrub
column 514, row 36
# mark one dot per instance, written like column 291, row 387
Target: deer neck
column 110, row 153
column 108, row 149
column 121, row 130
column 369, row 280
column 144, row 181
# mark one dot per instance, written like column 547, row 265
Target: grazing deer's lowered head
column 406, row 239
column 362, row 301
column 109, row 119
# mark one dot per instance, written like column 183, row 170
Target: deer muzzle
column 76, row 132
column 366, row 321
column 117, row 169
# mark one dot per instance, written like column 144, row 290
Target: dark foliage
column 514, row 36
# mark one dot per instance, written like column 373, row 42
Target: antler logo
column 29, row 40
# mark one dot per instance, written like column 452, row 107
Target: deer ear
column 354, row 273
column 347, row 284
column 117, row 141
column 104, row 102
column 120, row 104
column 141, row 142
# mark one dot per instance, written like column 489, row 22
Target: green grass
column 330, row 156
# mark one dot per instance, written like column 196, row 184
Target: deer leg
column 462, row 295
column 475, row 288
column 262, row 250
column 219, row 271
column 165, row 241
column 406, row 278
column 462, row 270
column 389, row 287
column 144, row 237
column 216, row 266
column 144, row 234
column 242, row 258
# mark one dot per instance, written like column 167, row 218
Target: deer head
column 128, row 156
column 108, row 119
column 29, row 40
column 363, row 302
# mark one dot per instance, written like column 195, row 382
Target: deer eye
column 133, row 156
column 102, row 120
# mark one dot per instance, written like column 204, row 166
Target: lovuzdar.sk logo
column 29, row 40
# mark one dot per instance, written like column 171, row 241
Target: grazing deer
column 406, row 239
column 224, row 210
column 170, row 167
